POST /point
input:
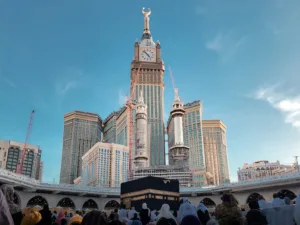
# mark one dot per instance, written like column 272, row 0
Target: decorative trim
column 150, row 191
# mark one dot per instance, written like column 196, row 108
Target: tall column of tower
column 178, row 153
column 147, row 58
column 141, row 157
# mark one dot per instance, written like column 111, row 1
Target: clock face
column 148, row 55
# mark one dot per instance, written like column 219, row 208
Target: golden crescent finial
column 146, row 13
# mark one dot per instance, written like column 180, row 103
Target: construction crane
column 129, row 106
column 20, row 168
column 172, row 78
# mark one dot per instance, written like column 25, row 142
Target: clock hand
column 147, row 54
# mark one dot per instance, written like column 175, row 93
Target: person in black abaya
column 145, row 214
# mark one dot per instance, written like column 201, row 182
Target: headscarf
column 165, row 213
column 297, row 210
column 60, row 216
column 153, row 215
column 165, row 221
column 8, row 192
column 228, row 210
column 228, row 199
column 297, row 200
column 185, row 199
column 202, row 207
column 75, row 219
column 94, row 217
column 5, row 216
column 131, row 213
column 287, row 200
column 187, row 209
column 277, row 202
column 190, row 220
column 123, row 215
column 144, row 206
column 263, row 204
column 31, row 218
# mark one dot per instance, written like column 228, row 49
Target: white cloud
column 273, row 29
column 200, row 10
column 225, row 44
column 121, row 98
column 287, row 104
column 9, row 82
column 70, row 79
column 215, row 44
column 63, row 88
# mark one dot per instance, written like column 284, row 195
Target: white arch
column 36, row 197
column 90, row 199
column 66, row 198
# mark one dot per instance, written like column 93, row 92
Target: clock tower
column 147, row 57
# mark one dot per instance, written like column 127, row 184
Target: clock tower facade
column 149, row 81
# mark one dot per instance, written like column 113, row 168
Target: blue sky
column 241, row 58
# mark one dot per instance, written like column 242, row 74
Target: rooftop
column 191, row 104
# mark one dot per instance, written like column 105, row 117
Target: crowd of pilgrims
column 226, row 213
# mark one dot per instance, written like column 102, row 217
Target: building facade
column 11, row 156
column 183, row 175
column 263, row 168
column 148, row 62
column 193, row 138
column 109, row 128
column 104, row 165
column 122, row 136
column 82, row 130
column 215, row 147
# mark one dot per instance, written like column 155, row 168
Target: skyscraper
column 109, row 128
column 193, row 138
column 147, row 57
column 82, row 130
column 216, row 159
column 192, row 126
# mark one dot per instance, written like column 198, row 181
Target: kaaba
column 155, row 191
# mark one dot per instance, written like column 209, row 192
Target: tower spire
column 177, row 98
column 141, row 98
column 146, row 34
column 178, row 152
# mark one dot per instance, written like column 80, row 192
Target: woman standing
column 145, row 214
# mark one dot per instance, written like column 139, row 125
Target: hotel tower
column 149, row 80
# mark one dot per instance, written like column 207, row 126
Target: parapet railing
column 30, row 182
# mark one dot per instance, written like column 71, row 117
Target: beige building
column 264, row 168
column 82, row 130
column 193, row 138
column 104, row 165
column 215, row 147
column 11, row 156
column 116, row 129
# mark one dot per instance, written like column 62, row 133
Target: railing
column 27, row 181
column 74, row 187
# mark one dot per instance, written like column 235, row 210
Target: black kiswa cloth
column 154, row 191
